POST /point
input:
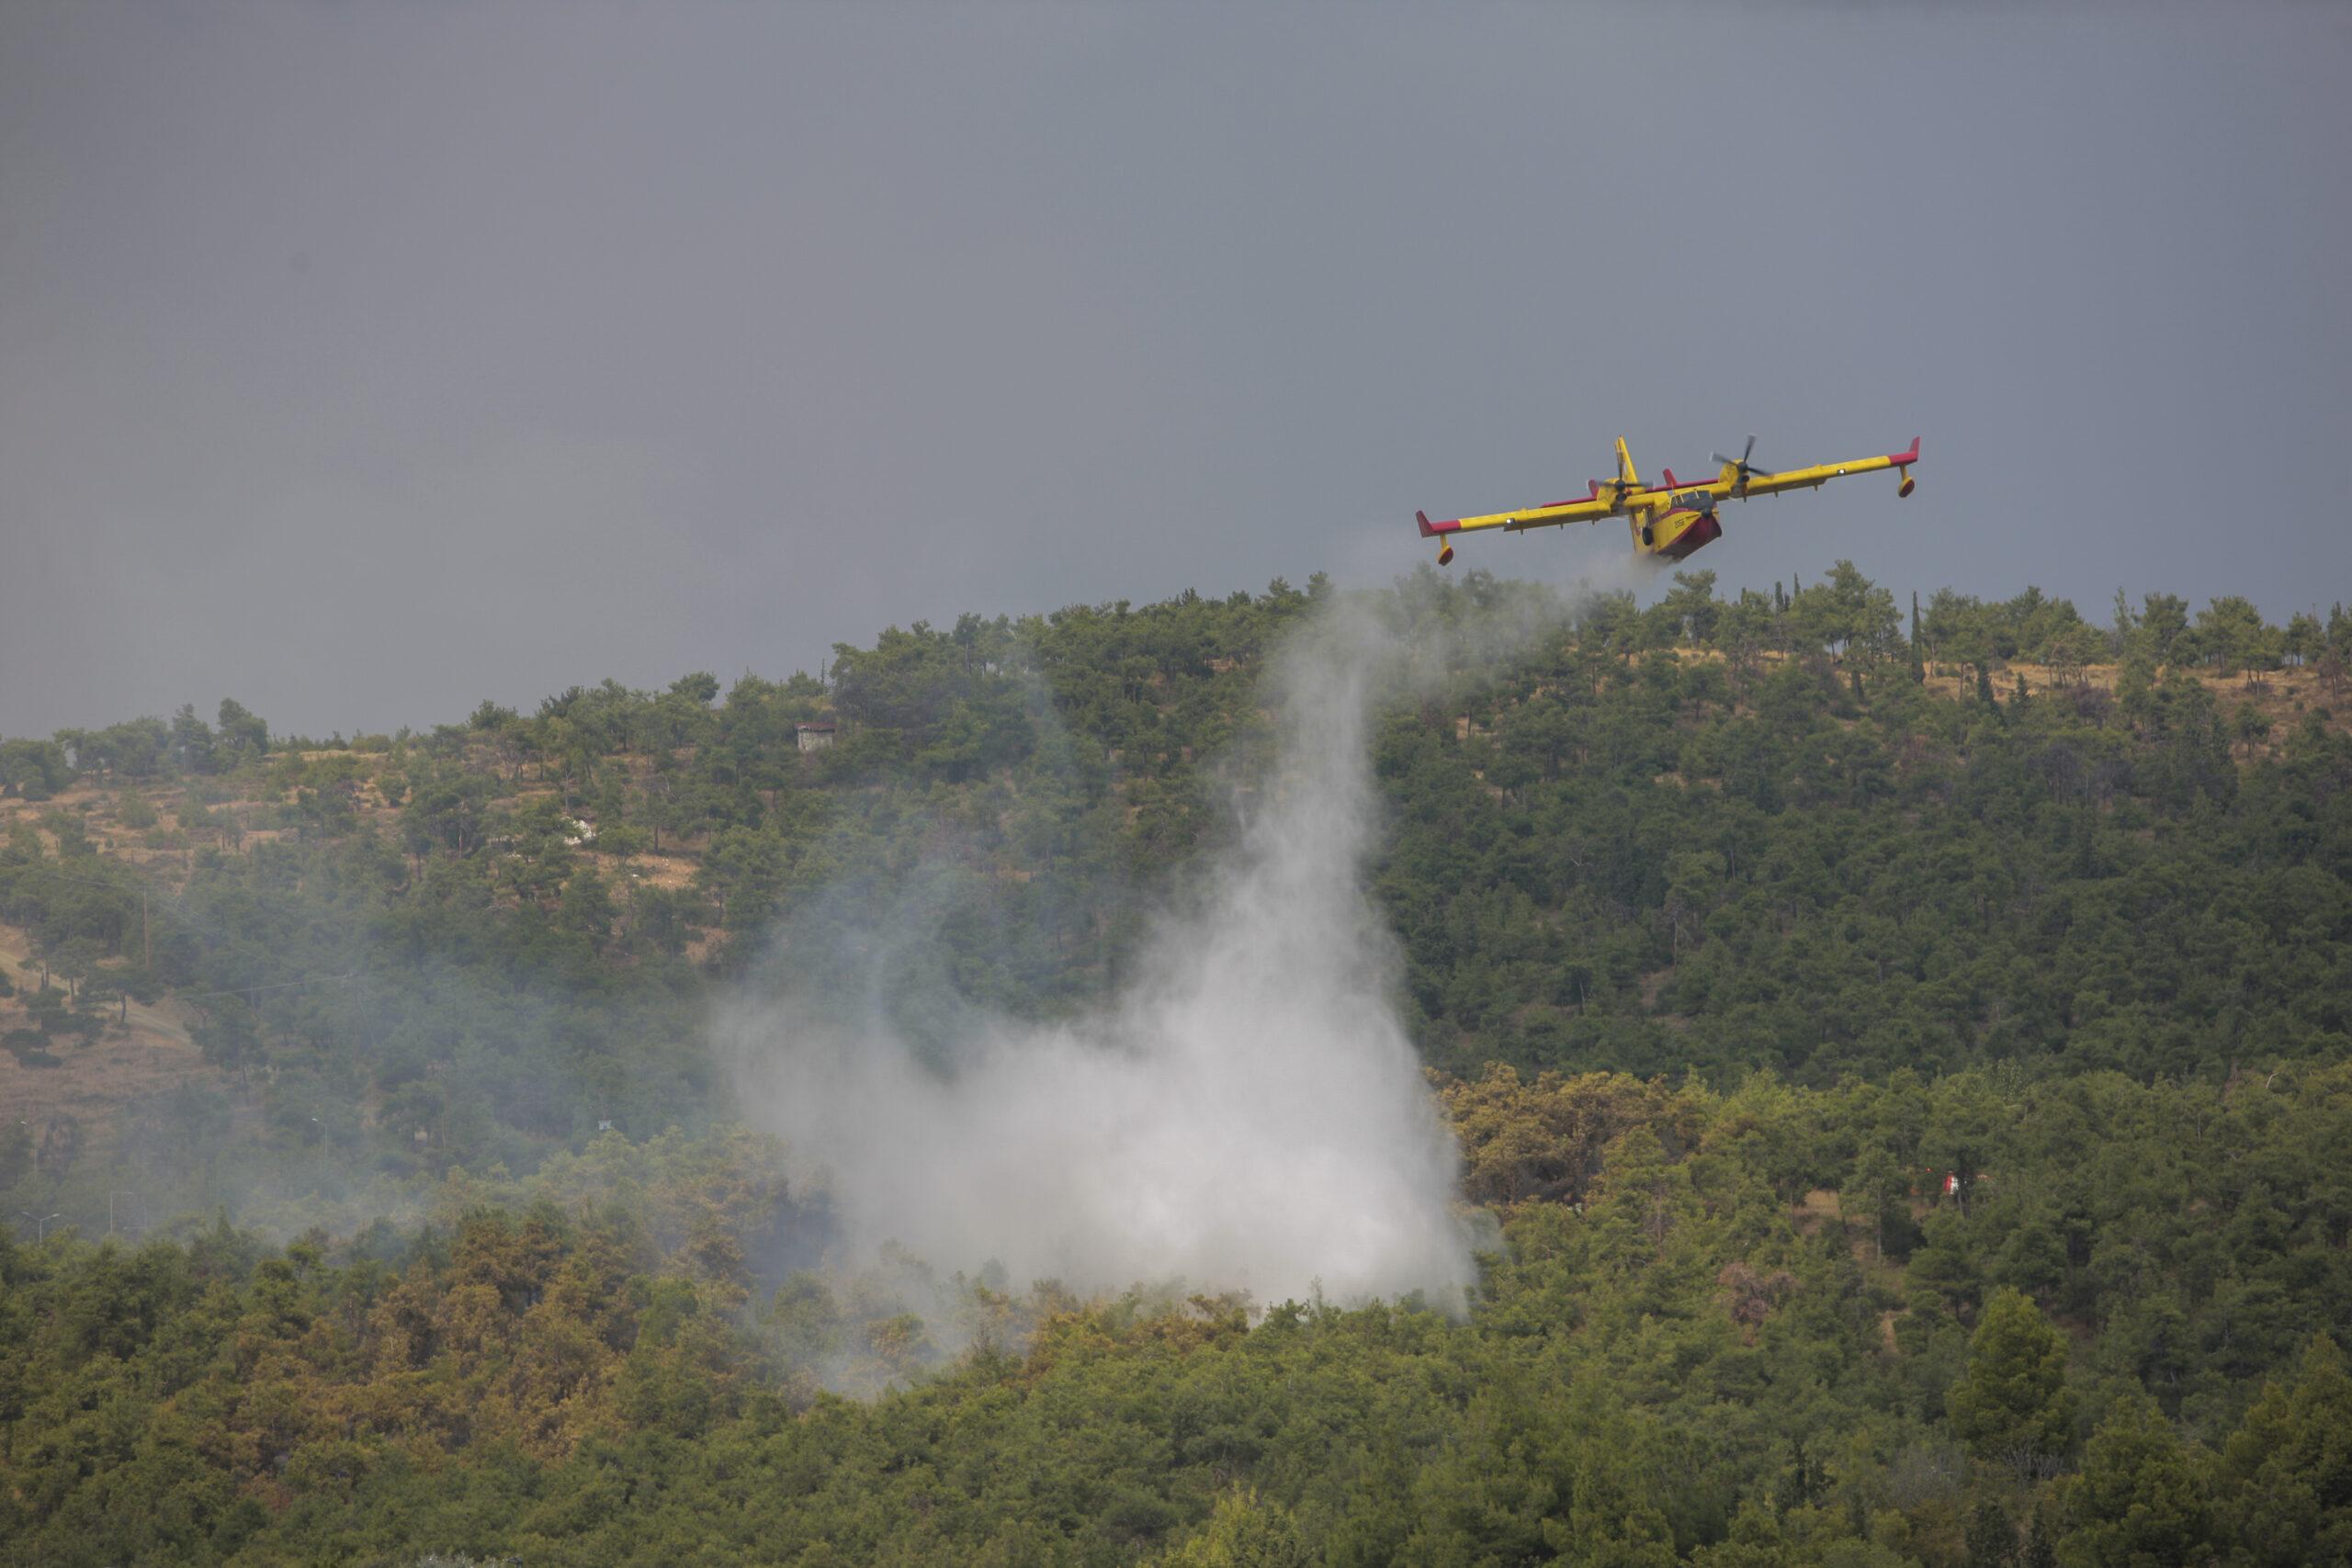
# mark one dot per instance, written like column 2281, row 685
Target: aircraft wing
column 1821, row 474
column 1591, row 510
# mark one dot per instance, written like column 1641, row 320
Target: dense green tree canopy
column 1911, row 1103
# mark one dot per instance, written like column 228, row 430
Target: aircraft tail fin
column 1625, row 464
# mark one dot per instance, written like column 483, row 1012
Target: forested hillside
column 1907, row 1048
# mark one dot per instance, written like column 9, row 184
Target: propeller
column 1621, row 486
column 1743, row 465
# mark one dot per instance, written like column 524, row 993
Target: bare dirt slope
column 93, row 1083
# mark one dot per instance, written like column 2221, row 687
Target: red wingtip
column 1669, row 477
column 1910, row 456
column 1423, row 519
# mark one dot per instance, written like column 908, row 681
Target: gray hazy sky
column 361, row 362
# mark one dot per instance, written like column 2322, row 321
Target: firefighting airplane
column 1673, row 519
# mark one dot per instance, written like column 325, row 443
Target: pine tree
column 1991, row 1539
column 2287, row 1471
column 2011, row 1406
column 2041, row 1550
column 2126, row 623
column 1245, row 1531
column 2141, row 1497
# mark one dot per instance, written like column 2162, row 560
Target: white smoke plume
column 1247, row 1113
